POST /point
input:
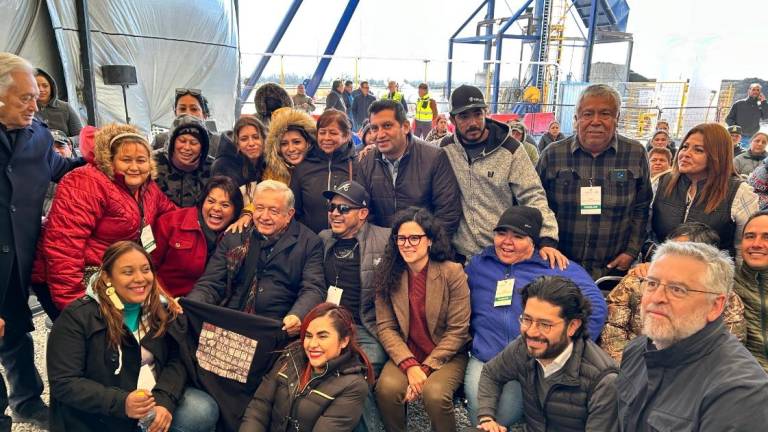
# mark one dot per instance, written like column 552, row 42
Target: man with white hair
column 274, row 269
column 28, row 163
column 688, row 372
column 748, row 113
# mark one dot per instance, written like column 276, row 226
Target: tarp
column 172, row 44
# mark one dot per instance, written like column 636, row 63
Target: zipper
column 329, row 174
column 763, row 315
column 589, row 217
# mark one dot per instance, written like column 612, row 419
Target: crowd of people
column 419, row 264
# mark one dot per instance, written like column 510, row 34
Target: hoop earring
column 112, row 295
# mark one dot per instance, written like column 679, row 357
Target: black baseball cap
column 466, row 97
column 351, row 190
column 522, row 220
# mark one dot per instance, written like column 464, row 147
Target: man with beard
column 567, row 380
column 748, row 113
column 688, row 372
column 598, row 185
column 494, row 172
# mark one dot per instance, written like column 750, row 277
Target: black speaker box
column 119, row 75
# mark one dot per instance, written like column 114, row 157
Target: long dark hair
column 251, row 170
column 564, row 293
column 344, row 325
column 229, row 187
column 388, row 273
column 157, row 316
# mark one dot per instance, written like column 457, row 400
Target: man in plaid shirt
column 597, row 183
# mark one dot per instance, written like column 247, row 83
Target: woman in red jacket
column 112, row 198
column 187, row 237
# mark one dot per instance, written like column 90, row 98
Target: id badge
column 334, row 295
column 504, row 289
column 148, row 239
column 591, row 200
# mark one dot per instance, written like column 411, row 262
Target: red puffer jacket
column 181, row 251
column 89, row 213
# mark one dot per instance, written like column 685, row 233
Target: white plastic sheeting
column 172, row 44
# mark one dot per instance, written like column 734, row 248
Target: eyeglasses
column 413, row 240
column 342, row 208
column 677, row 291
column 544, row 327
column 191, row 91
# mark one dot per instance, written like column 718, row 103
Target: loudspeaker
column 119, row 75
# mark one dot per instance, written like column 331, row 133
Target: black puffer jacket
column 320, row 172
column 290, row 282
column 332, row 401
column 230, row 163
column 89, row 380
column 183, row 187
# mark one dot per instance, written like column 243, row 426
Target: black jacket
column 58, row 114
column 548, row 139
column 183, row 187
column 86, row 393
column 359, row 110
column 335, row 100
column 317, row 173
column 332, row 401
column 748, row 113
column 581, row 396
column 292, row 281
column 706, row 382
column 230, row 163
column 27, row 166
column 424, row 179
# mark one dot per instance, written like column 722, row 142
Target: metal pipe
column 254, row 77
column 341, row 27
column 86, row 60
column 447, row 91
column 488, row 32
column 590, row 42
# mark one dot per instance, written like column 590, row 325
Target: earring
column 112, row 295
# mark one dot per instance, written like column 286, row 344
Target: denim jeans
column 510, row 407
column 196, row 412
column 378, row 357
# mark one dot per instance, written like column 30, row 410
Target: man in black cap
column 494, row 172
column 495, row 277
column 735, row 132
column 353, row 247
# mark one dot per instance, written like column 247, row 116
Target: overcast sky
column 703, row 40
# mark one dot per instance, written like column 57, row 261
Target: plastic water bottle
column 146, row 421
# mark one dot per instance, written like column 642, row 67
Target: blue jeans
column 510, row 408
column 196, row 412
column 378, row 357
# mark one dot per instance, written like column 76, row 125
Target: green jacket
column 752, row 287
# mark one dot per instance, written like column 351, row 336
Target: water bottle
column 146, row 421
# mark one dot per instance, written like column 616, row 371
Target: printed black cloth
column 230, row 352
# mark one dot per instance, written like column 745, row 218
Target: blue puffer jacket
column 493, row 328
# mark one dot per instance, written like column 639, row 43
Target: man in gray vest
column 353, row 247
column 567, row 380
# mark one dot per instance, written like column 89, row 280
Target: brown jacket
column 624, row 324
column 447, row 311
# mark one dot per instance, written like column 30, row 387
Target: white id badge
column 334, row 295
column 504, row 289
column 148, row 239
column 591, row 200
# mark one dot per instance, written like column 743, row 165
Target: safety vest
column 424, row 109
column 397, row 97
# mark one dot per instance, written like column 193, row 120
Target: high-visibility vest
column 397, row 96
column 424, row 109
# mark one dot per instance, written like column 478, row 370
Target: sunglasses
column 342, row 208
column 190, row 91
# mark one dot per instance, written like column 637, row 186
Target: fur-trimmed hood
column 280, row 123
column 269, row 98
column 102, row 157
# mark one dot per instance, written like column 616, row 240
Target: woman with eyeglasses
column 319, row 383
column 328, row 164
column 422, row 313
column 704, row 187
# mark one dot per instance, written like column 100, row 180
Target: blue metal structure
column 597, row 15
column 254, row 77
column 341, row 27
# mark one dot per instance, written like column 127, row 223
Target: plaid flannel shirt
column 624, row 177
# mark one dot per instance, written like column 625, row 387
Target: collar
column 688, row 350
column 558, row 363
column 576, row 145
column 760, row 156
column 751, row 273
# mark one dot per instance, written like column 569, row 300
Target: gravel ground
column 417, row 417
